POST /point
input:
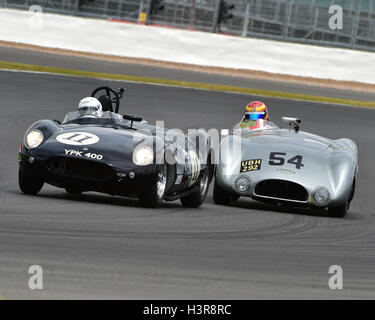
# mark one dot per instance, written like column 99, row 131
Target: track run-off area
column 103, row 247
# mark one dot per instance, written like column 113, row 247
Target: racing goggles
column 255, row 115
column 88, row 110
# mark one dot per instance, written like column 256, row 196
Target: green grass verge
column 197, row 85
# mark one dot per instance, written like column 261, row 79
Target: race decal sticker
column 77, row 138
column 251, row 165
column 250, row 124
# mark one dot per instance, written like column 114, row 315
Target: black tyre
column 223, row 197
column 153, row 195
column 196, row 198
column 28, row 184
column 352, row 192
column 338, row 212
column 73, row 190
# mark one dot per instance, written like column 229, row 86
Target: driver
column 256, row 116
column 90, row 107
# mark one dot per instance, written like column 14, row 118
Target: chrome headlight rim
column 237, row 189
column 26, row 143
column 145, row 162
column 317, row 203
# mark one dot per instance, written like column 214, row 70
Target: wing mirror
column 132, row 119
column 292, row 121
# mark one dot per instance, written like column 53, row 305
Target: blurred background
column 304, row 21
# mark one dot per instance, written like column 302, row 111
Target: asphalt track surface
column 98, row 246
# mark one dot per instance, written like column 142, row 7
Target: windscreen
column 106, row 118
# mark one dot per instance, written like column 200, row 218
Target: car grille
column 81, row 169
column 281, row 189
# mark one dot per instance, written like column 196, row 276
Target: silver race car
column 286, row 166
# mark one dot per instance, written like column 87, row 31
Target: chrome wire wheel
column 161, row 181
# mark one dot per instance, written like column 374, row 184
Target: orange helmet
column 256, row 110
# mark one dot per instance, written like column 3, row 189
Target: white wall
column 199, row 48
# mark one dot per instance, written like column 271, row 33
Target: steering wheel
column 113, row 96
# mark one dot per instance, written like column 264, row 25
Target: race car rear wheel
column 28, row 184
column 338, row 212
column 153, row 195
column 223, row 197
column 196, row 198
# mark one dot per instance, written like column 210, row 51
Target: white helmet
column 90, row 107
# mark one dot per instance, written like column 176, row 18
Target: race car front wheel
column 73, row 190
column 153, row 195
column 28, row 184
column 223, row 197
column 196, row 198
column 338, row 212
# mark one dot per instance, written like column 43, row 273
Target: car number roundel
column 77, row 138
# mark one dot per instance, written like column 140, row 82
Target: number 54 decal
column 278, row 159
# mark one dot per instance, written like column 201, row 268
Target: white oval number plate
column 77, row 138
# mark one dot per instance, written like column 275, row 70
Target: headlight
column 320, row 196
column 143, row 156
column 33, row 139
column 242, row 184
